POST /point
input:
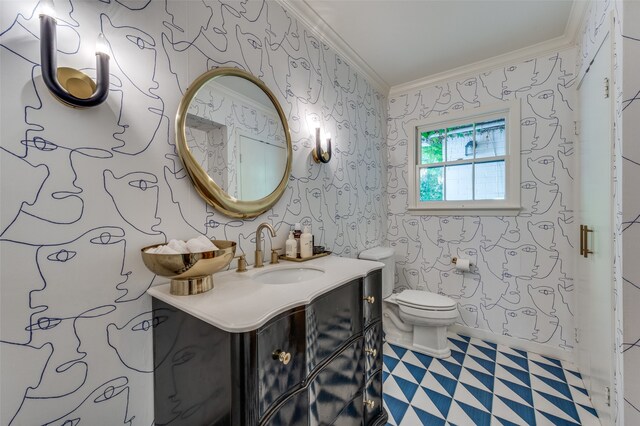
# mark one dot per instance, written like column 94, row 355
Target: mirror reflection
column 234, row 132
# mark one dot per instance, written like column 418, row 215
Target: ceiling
column 402, row 41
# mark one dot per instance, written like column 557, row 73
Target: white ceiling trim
column 577, row 19
column 547, row 47
column 563, row 42
column 305, row 14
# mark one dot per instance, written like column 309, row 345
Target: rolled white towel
column 206, row 242
column 200, row 244
column 196, row 246
column 152, row 250
column 166, row 250
column 178, row 246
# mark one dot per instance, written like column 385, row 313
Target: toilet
column 413, row 319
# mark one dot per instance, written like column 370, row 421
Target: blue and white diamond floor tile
column 483, row 384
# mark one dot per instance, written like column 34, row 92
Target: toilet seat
column 425, row 300
column 427, row 316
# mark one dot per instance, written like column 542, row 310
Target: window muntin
column 477, row 148
column 464, row 163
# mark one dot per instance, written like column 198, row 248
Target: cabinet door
column 336, row 386
column 294, row 411
column 190, row 387
column 332, row 320
column 281, row 357
column 352, row 414
column 372, row 297
column 373, row 398
column 373, row 348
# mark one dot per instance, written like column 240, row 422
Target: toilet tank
column 384, row 255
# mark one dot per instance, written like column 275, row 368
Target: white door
column 595, row 272
column 260, row 166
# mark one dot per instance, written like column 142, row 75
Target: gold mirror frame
column 208, row 189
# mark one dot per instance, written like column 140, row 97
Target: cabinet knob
column 373, row 352
column 370, row 299
column 369, row 403
column 282, row 356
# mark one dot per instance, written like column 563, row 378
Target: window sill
column 466, row 211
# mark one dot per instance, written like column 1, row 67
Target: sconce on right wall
column 322, row 151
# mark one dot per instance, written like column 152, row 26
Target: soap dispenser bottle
column 297, row 232
column 291, row 246
column 306, row 243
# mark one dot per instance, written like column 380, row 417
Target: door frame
column 580, row 331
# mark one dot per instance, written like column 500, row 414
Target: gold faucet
column 259, row 259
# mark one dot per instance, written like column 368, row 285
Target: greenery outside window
column 467, row 164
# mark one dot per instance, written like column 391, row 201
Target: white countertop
column 238, row 303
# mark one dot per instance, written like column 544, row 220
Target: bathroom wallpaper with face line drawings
column 521, row 283
column 84, row 190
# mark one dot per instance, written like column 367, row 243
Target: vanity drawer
column 294, row 411
column 372, row 297
column 281, row 357
column 373, row 348
column 373, row 398
column 352, row 414
column 331, row 321
column 338, row 383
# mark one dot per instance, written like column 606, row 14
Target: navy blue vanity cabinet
column 374, row 413
column 331, row 320
column 372, row 297
column 316, row 364
column 192, row 378
column 281, row 357
column 333, row 388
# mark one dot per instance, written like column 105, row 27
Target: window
column 467, row 165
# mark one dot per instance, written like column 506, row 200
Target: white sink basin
column 288, row 275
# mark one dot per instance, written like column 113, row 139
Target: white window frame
column 510, row 206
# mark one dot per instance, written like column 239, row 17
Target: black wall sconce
column 70, row 86
column 322, row 151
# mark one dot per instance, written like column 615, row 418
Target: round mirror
column 233, row 139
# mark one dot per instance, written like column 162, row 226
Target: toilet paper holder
column 454, row 260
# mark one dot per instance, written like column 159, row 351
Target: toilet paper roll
column 463, row 264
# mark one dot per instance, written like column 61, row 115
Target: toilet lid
column 425, row 300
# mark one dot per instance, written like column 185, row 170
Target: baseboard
column 513, row 342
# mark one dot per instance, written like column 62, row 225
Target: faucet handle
column 242, row 263
column 274, row 255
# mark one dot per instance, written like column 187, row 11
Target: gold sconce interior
column 322, row 151
column 76, row 82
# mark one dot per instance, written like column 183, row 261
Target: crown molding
column 319, row 27
column 566, row 41
column 302, row 12
column 577, row 20
column 547, row 47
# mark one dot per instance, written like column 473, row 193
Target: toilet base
column 427, row 351
column 407, row 340
column 431, row 341
column 427, row 335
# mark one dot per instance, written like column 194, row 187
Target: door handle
column 584, row 240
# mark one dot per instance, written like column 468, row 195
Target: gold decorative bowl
column 190, row 273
